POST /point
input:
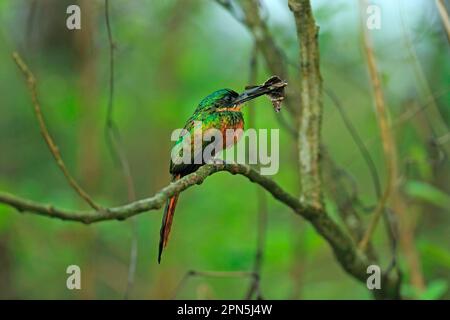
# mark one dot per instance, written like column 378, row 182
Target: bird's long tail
column 167, row 221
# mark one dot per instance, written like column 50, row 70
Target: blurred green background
column 169, row 55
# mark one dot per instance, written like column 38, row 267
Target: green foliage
column 435, row 290
column 426, row 192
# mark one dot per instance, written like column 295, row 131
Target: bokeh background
column 169, row 55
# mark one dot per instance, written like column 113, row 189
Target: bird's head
column 230, row 99
column 222, row 98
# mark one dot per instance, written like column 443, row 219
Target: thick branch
column 348, row 256
column 309, row 206
column 157, row 201
column 343, row 246
column 311, row 102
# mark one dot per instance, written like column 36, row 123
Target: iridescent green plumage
column 216, row 111
column 221, row 110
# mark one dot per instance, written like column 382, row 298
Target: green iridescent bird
column 220, row 110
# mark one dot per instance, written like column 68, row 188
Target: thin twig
column 275, row 58
column 228, row 5
column 256, row 25
column 117, row 150
column 359, row 142
column 31, row 82
column 403, row 118
column 391, row 231
column 255, row 286
column 345, row 198
column 439, row 124
column 109, row 118
column 390, row 154
column 444, row 16
column 30, row 24
column 410, row 113
column 133, row 258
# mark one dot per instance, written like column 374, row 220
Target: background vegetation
column 168, row 56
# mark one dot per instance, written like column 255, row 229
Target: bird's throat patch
column 233, row 109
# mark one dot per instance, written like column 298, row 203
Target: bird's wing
column 187, row 138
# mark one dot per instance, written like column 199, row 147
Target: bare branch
column 342, row 245
column 344, row 248
column 358, row 141
column 309, row 206
column 117, row 150
column 311, row 102
column 444, row 16
column 261, row 197
column 391, row 230
column 155, row 202
column 113, row 133
column 31, row 82
column 389, row 149
column 273, row 56
column 255, row 286
column 439, row 125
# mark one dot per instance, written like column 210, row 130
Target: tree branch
column 344, row 248
column 261, row 197
column 390, row 153
column 444, row 16
column 113, row 138
column 310, row 204
column 311, row 102
column 353, row 261
column 155, row 202
column 31, row 82
column 264, row 42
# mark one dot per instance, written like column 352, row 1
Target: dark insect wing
column 273, row 88
column 277, row 96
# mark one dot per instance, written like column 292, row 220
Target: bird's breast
column 231, row 120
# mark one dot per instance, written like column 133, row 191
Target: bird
column 220, row 110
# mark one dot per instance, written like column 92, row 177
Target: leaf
column 435, row 254
column 5, row 217
column 427, row 192
column 435, row 290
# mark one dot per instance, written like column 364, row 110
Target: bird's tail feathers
column 167, row 222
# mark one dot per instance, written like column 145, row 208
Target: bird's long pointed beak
column 274, row 86
column 250, row 94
